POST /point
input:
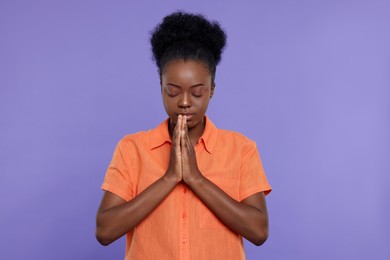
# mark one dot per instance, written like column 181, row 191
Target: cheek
column 202, row 105
column 204, row 100
column 168, row 105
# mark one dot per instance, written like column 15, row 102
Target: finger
column 188, row 142
column 186, row 135
column 183, row 149
column 183, row 139
column 185, row 128
column 179, row 122
column 184, row 122
column 177, row 140
column 177, row 130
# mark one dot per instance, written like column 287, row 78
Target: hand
column 175, row 172
column 188, row 156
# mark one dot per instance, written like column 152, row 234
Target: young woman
column 186, row 189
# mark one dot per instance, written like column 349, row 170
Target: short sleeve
column 117, row 179
column 252, row 175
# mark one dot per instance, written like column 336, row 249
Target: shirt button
column 185, row 189
column 184, row 240
column 184, row 215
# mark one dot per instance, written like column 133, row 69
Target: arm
column 249, row 218
column 116, row 216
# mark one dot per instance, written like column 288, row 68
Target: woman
column 185, row 190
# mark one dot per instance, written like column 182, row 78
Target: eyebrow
column 193, row 86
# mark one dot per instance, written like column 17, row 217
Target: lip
column 189, row 116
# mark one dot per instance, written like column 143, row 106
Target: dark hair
column 185, row 36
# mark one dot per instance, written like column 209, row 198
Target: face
column 186, row 88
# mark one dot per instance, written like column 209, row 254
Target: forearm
column 242, row 219
column 114, row 222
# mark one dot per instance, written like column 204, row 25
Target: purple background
column 309, row 81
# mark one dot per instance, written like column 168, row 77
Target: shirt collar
column 160, row 135
column 209, row 136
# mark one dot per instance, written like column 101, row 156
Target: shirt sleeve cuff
column 123, row 194
column 266, row 189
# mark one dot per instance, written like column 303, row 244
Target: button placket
column 184, row 225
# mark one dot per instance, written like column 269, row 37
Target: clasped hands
column 182, row 164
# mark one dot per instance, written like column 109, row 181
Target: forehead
column 186, row 72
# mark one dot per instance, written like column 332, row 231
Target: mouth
column 189, row 116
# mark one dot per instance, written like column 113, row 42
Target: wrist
column 170, row 178
column 195, row 179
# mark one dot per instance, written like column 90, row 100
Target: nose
column 185, row 100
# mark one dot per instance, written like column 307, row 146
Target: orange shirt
column 182, row 227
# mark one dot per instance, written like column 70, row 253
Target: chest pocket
column 207, row 219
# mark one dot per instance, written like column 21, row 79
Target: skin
column 186, row 88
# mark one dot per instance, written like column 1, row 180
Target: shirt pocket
column 207, row 219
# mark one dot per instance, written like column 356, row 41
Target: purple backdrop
column 309, row 81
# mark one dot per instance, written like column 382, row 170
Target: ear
column 212, row 90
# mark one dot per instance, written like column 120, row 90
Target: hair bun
column 180, row 26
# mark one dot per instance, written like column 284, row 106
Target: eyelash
column 195, row 95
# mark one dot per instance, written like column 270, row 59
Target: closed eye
column 172, row 95
column 197, row 91
column 172, row 92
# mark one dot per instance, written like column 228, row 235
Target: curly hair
column 185, row 36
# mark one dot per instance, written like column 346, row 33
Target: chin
column 194, row 122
